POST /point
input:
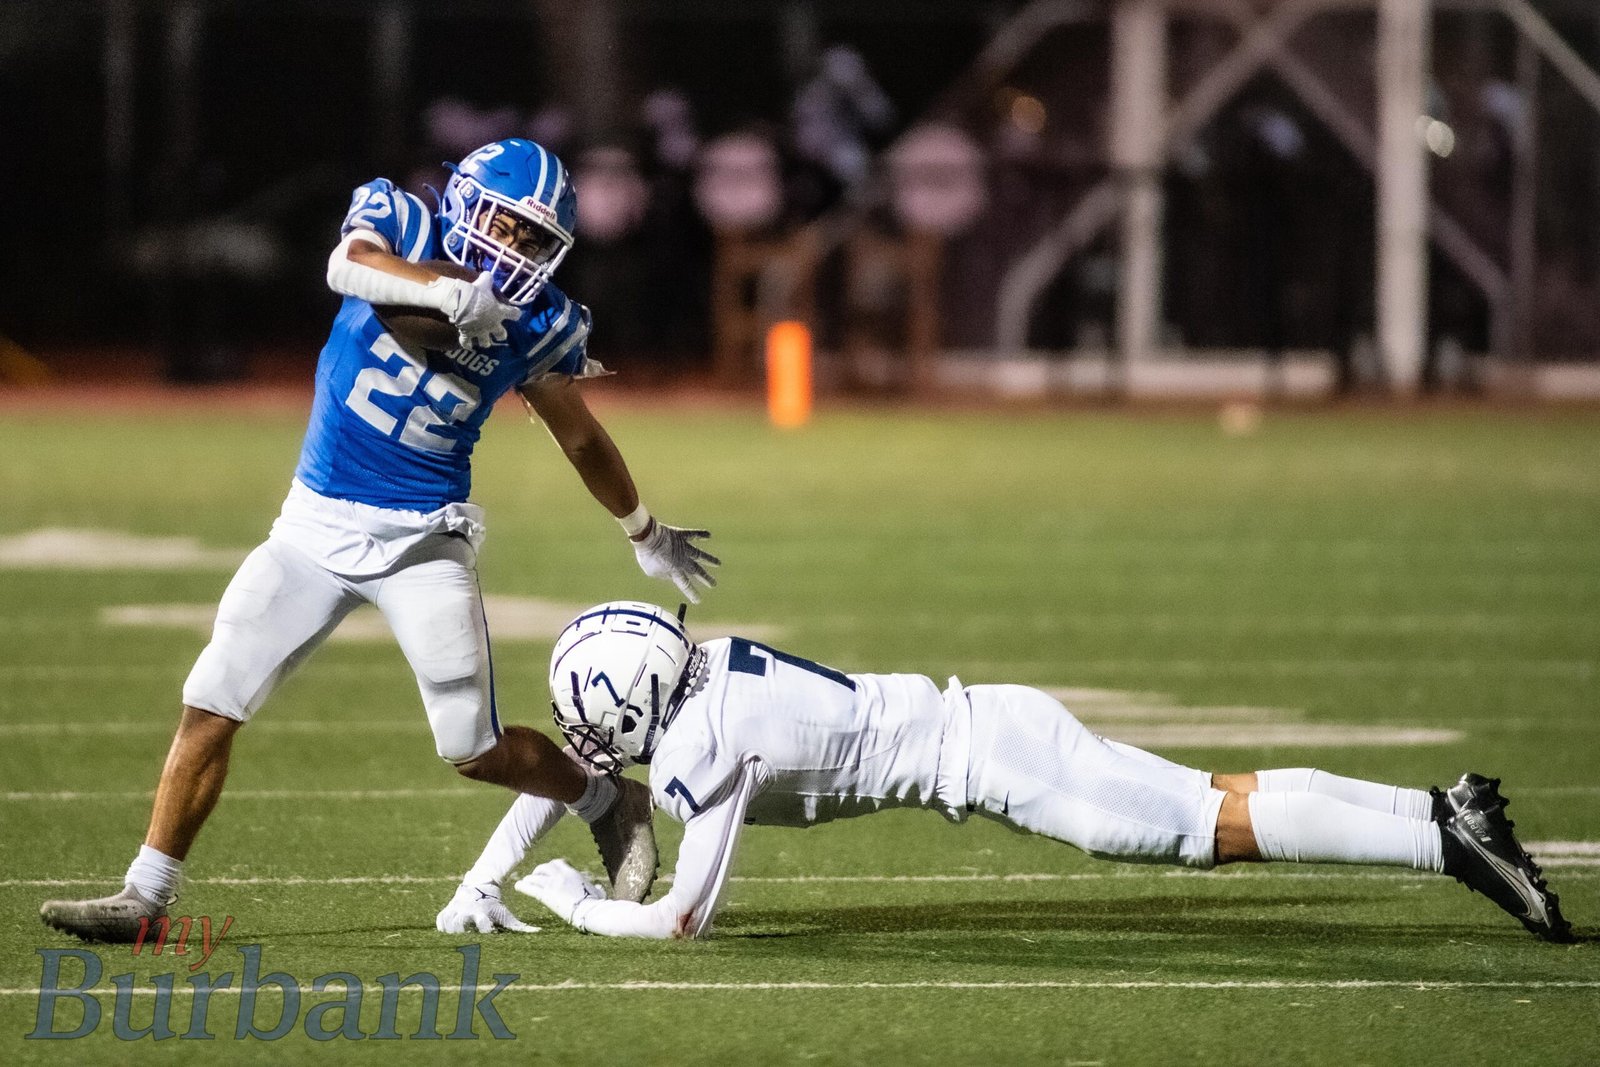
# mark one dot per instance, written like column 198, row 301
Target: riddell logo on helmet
column 542, row 212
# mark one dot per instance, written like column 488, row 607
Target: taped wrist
column 636, row 521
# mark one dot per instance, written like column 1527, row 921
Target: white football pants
column 1036, row 767
column 281, row 605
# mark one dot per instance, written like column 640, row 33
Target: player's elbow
column 338, row 265
column 689, row 927
column 343, row 264
column 347, row 258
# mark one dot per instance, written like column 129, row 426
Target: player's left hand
column 670, row 552
column 560, row 886
column 480, row 316
column 479, row 907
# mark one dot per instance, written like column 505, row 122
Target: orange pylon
column 789, row 374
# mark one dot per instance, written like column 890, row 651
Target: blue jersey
column 394, row 428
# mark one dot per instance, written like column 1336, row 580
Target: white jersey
column 774, row 739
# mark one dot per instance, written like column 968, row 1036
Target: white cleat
column 118, row 918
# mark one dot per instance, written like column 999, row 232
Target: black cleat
column 1441, row 805
column 119, row 918
column 627, row 842
column 1481, row 852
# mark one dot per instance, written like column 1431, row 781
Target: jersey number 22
column 437, row 399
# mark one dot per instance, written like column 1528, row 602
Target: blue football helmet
column 510, row 208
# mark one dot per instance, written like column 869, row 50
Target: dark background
column 191, row 212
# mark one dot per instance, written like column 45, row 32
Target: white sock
column 155, row 875
column 598, row 796
column 1311, row 828
column 1394, row 799
column 529, row 819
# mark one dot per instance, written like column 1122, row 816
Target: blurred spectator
column 675, row 242
column 555, row 127
column 669, row 120
column 609, row 266
column 838, row 118
column 614, row 195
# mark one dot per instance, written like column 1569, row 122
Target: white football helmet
column 618, row 675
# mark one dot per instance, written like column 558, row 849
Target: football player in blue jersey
column 378, row 513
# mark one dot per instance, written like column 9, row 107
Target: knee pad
column 461, row 715
column 215, row 687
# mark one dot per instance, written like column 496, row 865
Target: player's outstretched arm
column 666, row 552
column 477, row 904
column 704, row 860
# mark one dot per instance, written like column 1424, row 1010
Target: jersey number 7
column 742, row 659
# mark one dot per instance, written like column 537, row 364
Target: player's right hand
column 479, row 907
column 479, row 315
column 560, row 886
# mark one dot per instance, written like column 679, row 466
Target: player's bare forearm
column 605, row 474
column 585, row 443
column 371, row 254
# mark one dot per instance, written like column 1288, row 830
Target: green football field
column 1394, row 596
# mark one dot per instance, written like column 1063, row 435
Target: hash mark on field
column 59, row 548
column 1296, row 667
column 1268, row 984
column 1156, row 721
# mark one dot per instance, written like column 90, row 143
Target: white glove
column 477, row 312
column 560, row 886
column 671, row 553
column 479, row 907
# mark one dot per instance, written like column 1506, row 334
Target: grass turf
column 1437, row 571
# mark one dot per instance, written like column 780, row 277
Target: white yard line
column 1289, row 667
column 1268, row 984
column 1159, row 735
column 257, row 794
column 1147, row 734
column 511, row 618
column 1255, row 874
column 417, row 725
column 72, row 795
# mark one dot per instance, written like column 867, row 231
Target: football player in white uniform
column 735, row 732
column 378, row 511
